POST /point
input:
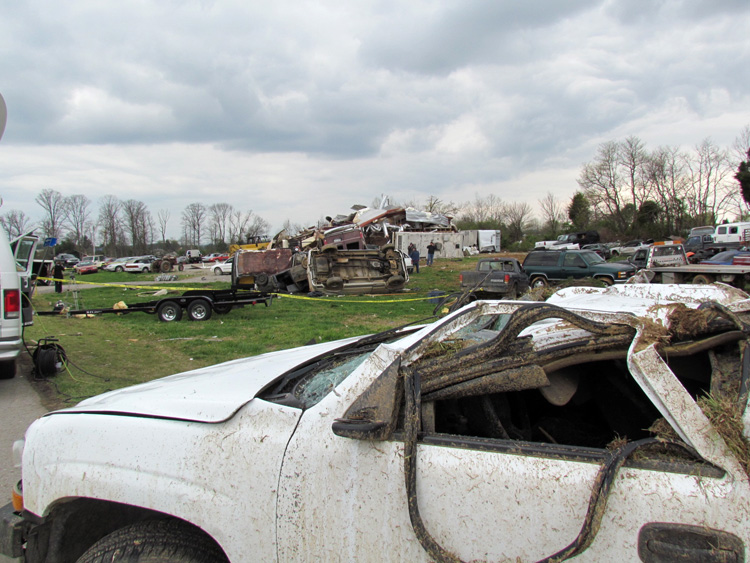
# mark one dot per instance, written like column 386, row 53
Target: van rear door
column 23, row 251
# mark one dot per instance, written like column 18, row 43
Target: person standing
column 58, row 273
column 414, row 255
column 431, row 248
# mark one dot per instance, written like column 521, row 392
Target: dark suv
column 546, row 266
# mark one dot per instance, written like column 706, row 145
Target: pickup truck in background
column 548, row 266
column 571, row 241
column 668, row 263
column 496, row 277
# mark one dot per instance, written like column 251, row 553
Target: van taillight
column 12, row 302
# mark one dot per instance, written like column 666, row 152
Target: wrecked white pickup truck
column 507, row 430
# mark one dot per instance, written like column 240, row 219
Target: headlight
column 18, row 446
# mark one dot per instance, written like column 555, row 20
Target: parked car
column 68, row 260
column 723, row 258
column 601, row 249
column 504, row 431
column 224, row 267
column 139, row 265
column 627, row 249
column 117, row 265
column 213, row 257
column 86, row 268
column 548, row 266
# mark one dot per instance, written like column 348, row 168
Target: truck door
column 574, row 266
column 23, row 251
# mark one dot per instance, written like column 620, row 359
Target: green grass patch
column 111, row 351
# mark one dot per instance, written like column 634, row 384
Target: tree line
column 119, row 227
column 625, row 191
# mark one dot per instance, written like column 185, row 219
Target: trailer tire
column 199, row 310
column 222, row 309
column 702, row 279
column 169, row 311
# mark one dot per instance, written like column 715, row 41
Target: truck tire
column 199, row 310
column 334, row 283
column 606, row 280
column 703, row 279
column 166, row 541
column 539, row 281
column 395, row 282
column 169, row 311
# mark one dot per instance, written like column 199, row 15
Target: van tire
column 8, row 369
column 155, row 540
column 395, row 282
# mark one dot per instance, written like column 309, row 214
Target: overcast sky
column 296, row 110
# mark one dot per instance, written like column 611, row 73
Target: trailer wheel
column 169, row 311
column 222, row 309
column 703, row 279
column 199, row 310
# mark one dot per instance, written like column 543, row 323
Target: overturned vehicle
column 355, row 272
column 604, row 424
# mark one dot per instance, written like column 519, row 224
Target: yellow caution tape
column 278, row 295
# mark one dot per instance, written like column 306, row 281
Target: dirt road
column 19, row 406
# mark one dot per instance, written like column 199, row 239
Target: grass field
column 111, row 351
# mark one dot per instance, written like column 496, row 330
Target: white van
column 16, row 262
column 732, row 232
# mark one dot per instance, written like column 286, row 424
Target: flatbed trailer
column 198, row 304
column 702, row 273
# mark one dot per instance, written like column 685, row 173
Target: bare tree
column 708, row 194
column 110, row 222
column 15, row 223
column 259, row 227
column 632, row 158
column 53, row 204
column 138, row 224
column 193, row 219
column 553, row 213
column 665, row 173
column 163, row 220
column 219, row 221
column 601, row 183
column 483, row 211
column 517, row 215
column 77, row 215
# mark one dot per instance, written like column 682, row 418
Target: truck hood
column 211, row 394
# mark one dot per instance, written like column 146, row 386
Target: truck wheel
column 8, row 369
column 166, row 541
column 606, row 280
column 169, row 311
column 395, row 282
column 199, row 310
column 538, row 282
column 703, row 279
column 334, row 283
